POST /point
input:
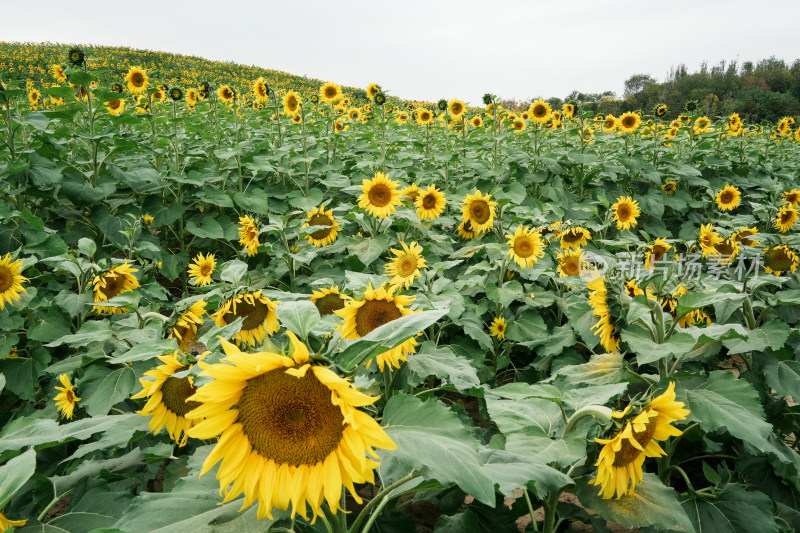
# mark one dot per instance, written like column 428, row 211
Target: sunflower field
column 232, row 306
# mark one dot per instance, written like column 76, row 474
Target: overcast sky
column 433, row 49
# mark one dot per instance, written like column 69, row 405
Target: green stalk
column 376, row 501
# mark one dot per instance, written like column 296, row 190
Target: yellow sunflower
column 291, row 103
column 669, row 187
column 113, row 283
column 340, row 125
column 479, row 210
column 525, row 246
column 625, row 212
column 379, row 196
column 372, row 90
column 743, row 234
column 780, row 259
column 498, row 328
column 330, row 92
column 540, row 111
column 58, row 73
column 609, row 123
column 289, row 433
column 619, row 465
column 729, row 198
column 116, row 107
column 379, row 306
column 727, row 250
column 574, row 237
column 655, row 253
column 226, row 94
column 185, row 328
column 430, row 203
column 568, row 109
column 137, row 80
column 569, row 263
column 793, row 196
column 404, row 267
column 465, row 230
column 34, row 97
column 329, row 300
column 260, row 317
column 410, row 193
column 629, row 122
column 519, row 126
column 200, row 271
column 456, row 108
column 708, row 239
column 424, row 117
column 6, row 523
column 786, row 218
column 476, row 121
column 327, row 234
column 10, row 280
column 599, row 304
column 248, row 235
column 260, row 91
column 66, row 399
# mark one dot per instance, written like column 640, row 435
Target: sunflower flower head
column 430, row 203
column 258, row 312
column 137, row 80
column 625, row 212
column 66, row 399
column 498, row 328
column 729, row 198
column 329, row 300
column 248, row 235
column 10, row 280
column 112, row 283
column 380, row 196
column 185, row 328
column 404, row 267
column 329, row 227
column 525, row 246
column 479, row 210
column 786, row 218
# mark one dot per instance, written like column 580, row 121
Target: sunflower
column 702, row 125
column 743, row 234
column 780, row 259
column 202, row 268
column 574, row 237
column 525, row 246
column 329, row 300
column 330, row 92
column 456, row 108
column 519, row 126
column 430, row 203
column 727, row 250
column 76, row 57
column 248, row 235
column 113, row 283
column 424, row 117
column 327, row 234
column 260, row 317
column 625, row 212
column 291, row 103
column 669, row 187
column 404, row 267
column 354, row 114
column 661, row 110
column 226, row 94
column 622, row 456
column 540, row 111
column 599, row 304
column 115, row 107
column 786, row 218
column 379, row 196
column 167, row 403
column 185, row 328
column 729, row 198
column 708, row 239
column 137, row 80
column 261, row 90
column 609, row 123
column 569, row 263
column 498, row 328
column 58, row 73
column 340, row 125
column 379, row 306
column 479, row 210
column 587, row 136
column 734, row 121
column 655, row 253
column 66, row 399
column 176, row 93
column 568, row 109
column 289, row 433
column 629, row 122
column 6, row 523
column 372, row 90
column 10, row 280
column 34, row 97
column 792, row 197
column 465, row 230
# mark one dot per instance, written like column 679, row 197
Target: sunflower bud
column 442, row 104
column 176, row 94
column 380, row 98
column 76, row 57
column 117, row 88
column 488, row 98
column 691, row 106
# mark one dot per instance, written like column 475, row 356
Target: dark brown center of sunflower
column 570, row 267
column 628, row 453
column 425, row 116
column 206, row 269
column 539, row 111
column 137, row 79
column 321, row 220
column 113, row 287
column 329, row 303
column 373, row 314
column 70, row 396
column 572, row 236
column 725, row 247
column 628, row 122
column 792, row 198
column 479, row 211
column 669, row 187
column 519, row 125
column 457, row 109
column 175, row 391
column 6, row 279
column 726, row 197
column 658, row 252
column 523, row 246
column 292, row 103
column 786, row 217
column 114, row 104
column 609, row 123
column 705, row 240
column 429, row 201
column 254, row 314
column 290, row 420
column 778, row 260
column 623, row 212
column 406, row 266
column 330, row 92
column 380, row 195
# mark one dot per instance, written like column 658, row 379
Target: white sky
column 433, row 49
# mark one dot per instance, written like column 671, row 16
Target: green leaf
column 254, row 201
column 22, row 374
column 369, row 249
column 44, row 173
column 651, row 504
column 770, row 335
column 101, row 388
column 528, row 329
column 210, row 339
column 697, row 300
column 233, row 272
column 25, row 431
column 431, row 438
column 444, row 363
column 209, row 228
column 601, row 369
column 386, row 337
column 727, row 402
column 735, row 510
column 145, row 351
column 784, row 377
column 92, row 331
column 2, row 382
column 300, row 317
column 55, row 325
column 505, row 295
column 15, row 473
column 576, row 399
column 512, row 471
column 648, row 351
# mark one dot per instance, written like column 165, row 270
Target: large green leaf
column 22, row 374
column 505, row 295
column 299, row 317
column 431, row 438
column 648, row 351
column 91, row 331
column 369, row 249
column 445, row 364
column 783, row 376
column 145, row 351
column 601, row 369
column 770, row 335
column 102, row 388
column 735, row 510
column 27, row 431
column 511, row 471
column 698, row 300
column 15, row 473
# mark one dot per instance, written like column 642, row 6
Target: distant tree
column 636, row 83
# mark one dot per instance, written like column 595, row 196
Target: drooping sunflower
column 325, row 235
column 479, row 210
column 330, row 92
column 430, row 203
column 629, row 122
column 185, row 328
column 525, row 246
column 248, row 235
column 780, row 259
column 424, row 116
column 655, row 253
column 58, row 73
column 226, row 94
column 661, row 110
column 113, row 283
column 329, row 300
column 201, row 269
column 568, row 109
column 786, row 218
column 378, row 307
column 379, row 196
column 625, row 212
column 540, row 111
column 574, row 237
column 456, row 108
column 708, row 239
column 289, row 433
column 669, row 187
column 6, row 523
column 727, row 250
column 261, row 90
column 743, row 234
column 260, row 317
column 404, row 267
column 115, row 107
column 291, row 103
column 10, row 280
column 792, row 197
column 167, row 403
column 66, row 399
column 465, row 230
column 498, row 328
column 599, row 304
column 729, row 198
column 569, row 263
column 137, row 80
column 372, row 90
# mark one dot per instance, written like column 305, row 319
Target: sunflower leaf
column 300, row 317
column 735, row 510
column 100, row 389
column 15, row 473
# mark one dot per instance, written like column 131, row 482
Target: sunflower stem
column 534, row 524
column 597, row 411
column 376, row 501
